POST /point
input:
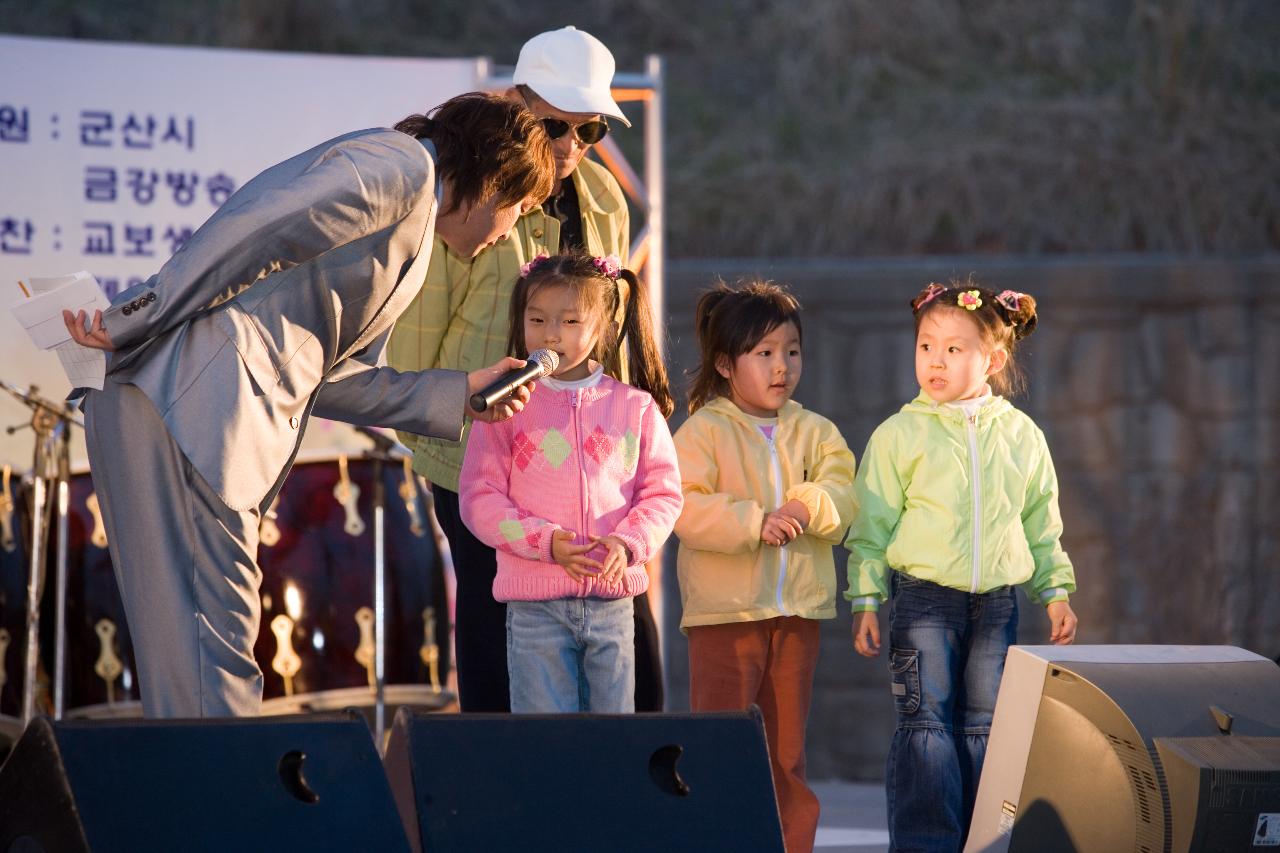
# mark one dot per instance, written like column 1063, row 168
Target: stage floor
column 852, row 819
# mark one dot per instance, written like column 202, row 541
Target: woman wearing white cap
column 461, row 317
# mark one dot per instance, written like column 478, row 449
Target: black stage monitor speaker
column 584, row 782
column 269, row 783
column 1135, row 748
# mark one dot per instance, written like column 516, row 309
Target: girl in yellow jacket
column 767, row 490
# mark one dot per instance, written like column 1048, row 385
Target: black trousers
column 480, row 623
column 649, row 694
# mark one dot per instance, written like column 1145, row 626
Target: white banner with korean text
column 111, row 154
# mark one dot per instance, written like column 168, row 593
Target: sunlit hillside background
column 865, row 127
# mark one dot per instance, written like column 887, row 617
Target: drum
column 13, row 611
column 99, row 660
column 100, row 671
column 315, row 643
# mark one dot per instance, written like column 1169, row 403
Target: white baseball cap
column 571, row 70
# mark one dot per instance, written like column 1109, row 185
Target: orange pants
column 770, row 663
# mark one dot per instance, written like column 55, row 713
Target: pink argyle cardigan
column 597, row 461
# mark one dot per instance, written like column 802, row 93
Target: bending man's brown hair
column 486, row 146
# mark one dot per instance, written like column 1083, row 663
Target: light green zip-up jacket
column 462, row 315
column 970, row 504
column 731, row 476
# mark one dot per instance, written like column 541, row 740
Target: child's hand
column 796, row 510
column 617, row 557
column 779, row 528
column 1062, row 623
column 866, row 633
column 573, row 558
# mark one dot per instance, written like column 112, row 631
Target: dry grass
column 863, row 127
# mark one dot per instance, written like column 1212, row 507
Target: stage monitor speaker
column 1136, row 748
column 589, row 782
column 292, row 783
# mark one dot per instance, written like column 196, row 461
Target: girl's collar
column 591, row 380
column 971, row 406
column 727, row 406
column 990, row 406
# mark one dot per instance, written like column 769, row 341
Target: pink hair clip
column 610, row 265
column 532, row 265
column 932, row 292
column 1009, row 299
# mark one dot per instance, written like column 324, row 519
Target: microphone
column 541, row 363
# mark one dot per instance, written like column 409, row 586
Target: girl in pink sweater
column 579, row 490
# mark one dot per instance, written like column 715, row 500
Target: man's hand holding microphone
column 498, row 392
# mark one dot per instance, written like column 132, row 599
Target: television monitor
column 1130, row 748
column 1224, row 792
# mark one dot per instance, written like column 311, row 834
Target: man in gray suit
column 278, row 307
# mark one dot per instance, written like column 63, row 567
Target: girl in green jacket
column 957, row 495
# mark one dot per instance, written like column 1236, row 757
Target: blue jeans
column 946, row 656
column 571, row 654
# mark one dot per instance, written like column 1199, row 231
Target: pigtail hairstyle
column 729, row 322
column 1003, row 320
column 487, row 145
column 706, row 383
column 648, row 372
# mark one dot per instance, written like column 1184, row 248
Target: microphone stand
column 51, row 423
column 382, row 450
column 60, row 573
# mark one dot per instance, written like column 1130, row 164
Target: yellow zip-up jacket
column 732, row 476
column 462, row 315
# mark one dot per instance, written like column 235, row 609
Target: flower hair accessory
column 969, row 300
column 930, row 293
column 608, row 265
column 532, row 265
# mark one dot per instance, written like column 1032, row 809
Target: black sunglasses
column 588, row 133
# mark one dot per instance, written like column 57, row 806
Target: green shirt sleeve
column 880, row 497
column 1042, row 523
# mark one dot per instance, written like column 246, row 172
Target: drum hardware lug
column 108, row 666
column 7, row 540
column 365, row 651
column 410, row 496
column 268, row 530
column 430, row 652
column 347, row 493
column 286, row 662
column 99, row 535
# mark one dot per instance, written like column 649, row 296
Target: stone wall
column 1157, row 383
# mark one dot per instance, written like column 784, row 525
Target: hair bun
column 1018, row 310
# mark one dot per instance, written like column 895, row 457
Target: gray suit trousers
column 186, row 563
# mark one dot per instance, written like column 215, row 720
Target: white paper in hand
column 41, row 316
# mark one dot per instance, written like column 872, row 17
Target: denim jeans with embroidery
column 571, row 654
column 946, row 655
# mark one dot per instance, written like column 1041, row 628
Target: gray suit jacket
column 281, row 305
